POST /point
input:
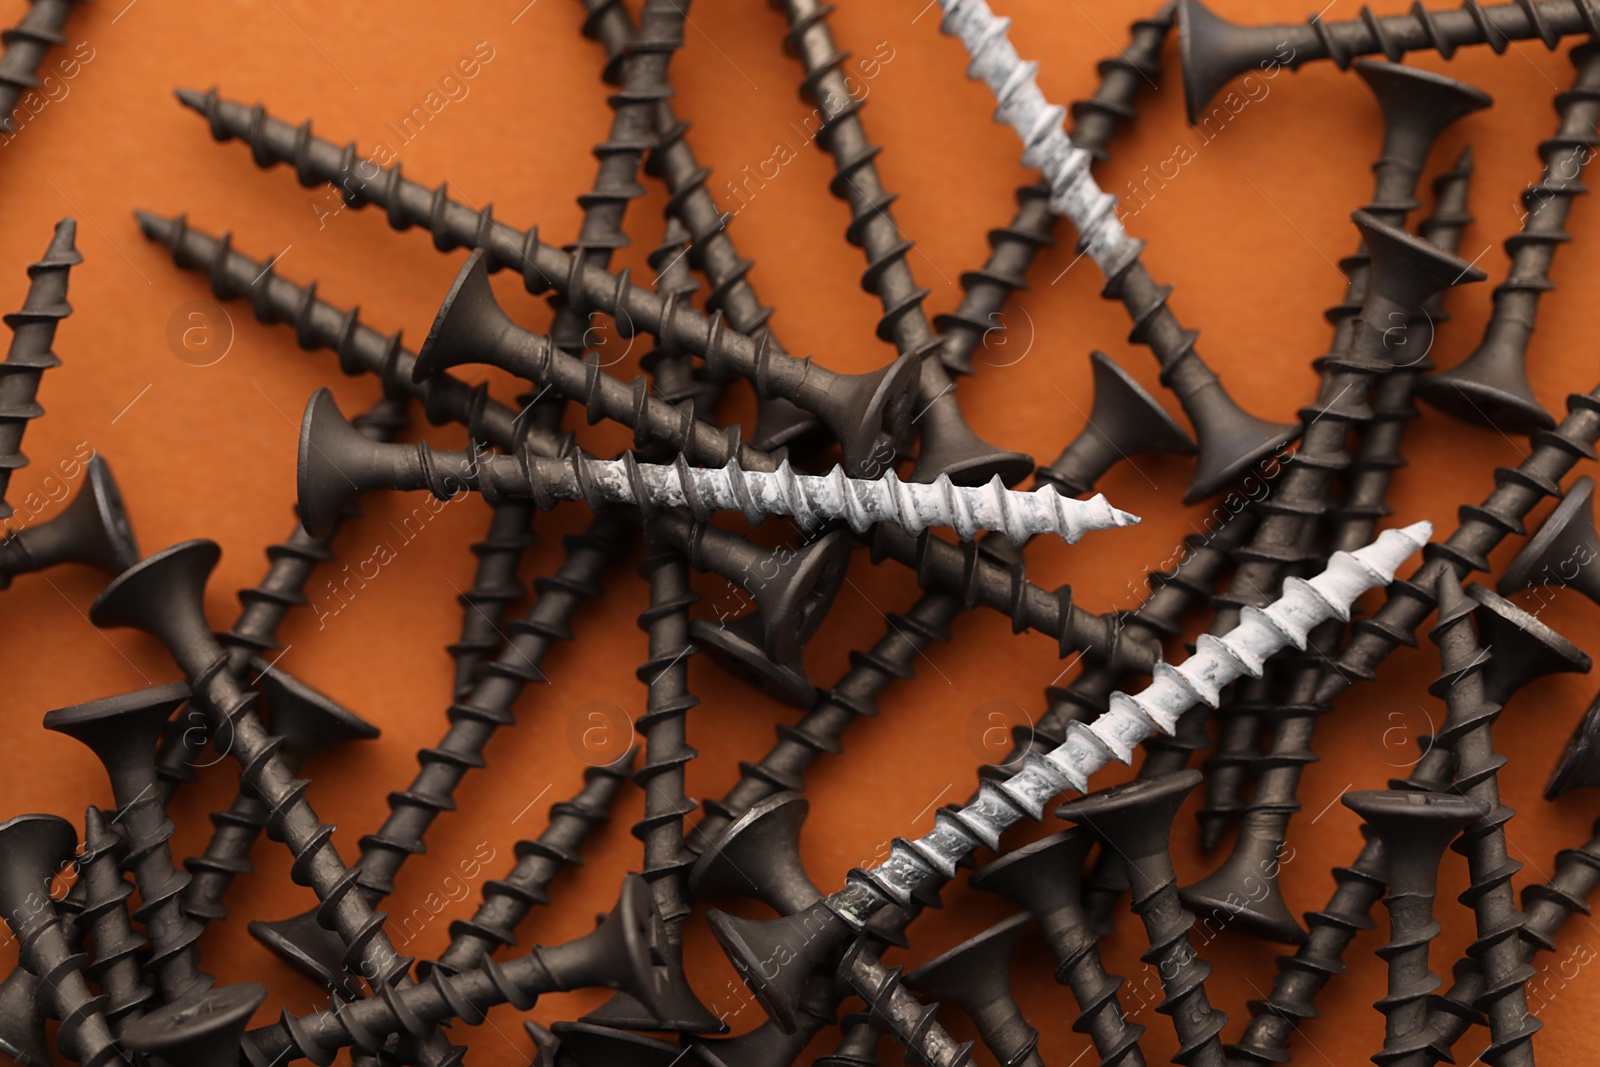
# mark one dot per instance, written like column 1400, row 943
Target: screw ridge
column 116, row 971
column 976, row 977
column 587, row 288
column 1013, row 247
column 859, row 1044
column 494, row 588
column 949, row 445
column 1490, row 387
column 1481, row 528
column 1236, row 440
column 26, row 44
column 672, row 372
column 33, row 328
column 914, row 1024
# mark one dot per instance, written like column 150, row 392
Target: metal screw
column 337, row 462
column 1231, row 440
column 22, row 1035
column 202, row 1032
column 116, row 971
column 122, row 732
column 859, row 1046
column 1577, row 766
column 1561, row 552
column 768, row 1045
column 914, row 1024
column 584, row 1044
column 93, row 531
column 494, row 587
column 976, row 977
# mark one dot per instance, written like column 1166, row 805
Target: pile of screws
column 109, row 921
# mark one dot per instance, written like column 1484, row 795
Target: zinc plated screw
column 976, row 977
column 867, row 412
column 1215, row 50
column 1490, row 387
column 948, row 445
column 34, row 327
column 33, row 848
column 1414, row 829
column 1134, row 821
column 1113, row 736
column 122, row 732
column 115, row 971
column 336, row 462
column 1231, row 440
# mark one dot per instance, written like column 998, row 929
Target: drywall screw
column 306, row 722
column 1134, row 821
column 22, row 1035
column 768, row 1045
column 976, row 977
column 204, row 1032
column 667, row 754
column 494, row 588
column 582, row 1044
column 508, row 900
column 33, row 328
column 948, row 445
column 1231, row 440
column 758, row 856
column 93, row 530
column 915, row 1025
column 34, row 848
column 1043, row 877
column 164, row 595
column 1468, row 736
column 1490, row 387
column 1414, row 830
column 336, row 462
column 1214, row 50
column 1526, row 649
column 1561, row 552
column 303, row 940
column 615, row 955
column 122, row 732
column 1576, row 769
column 115, row 971
column 868, row 412
column 26, row 45
column 859, row 1046
column 1014, row 246
column 1113, row 736
column 671, row 371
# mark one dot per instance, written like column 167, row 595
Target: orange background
column 1249, row 233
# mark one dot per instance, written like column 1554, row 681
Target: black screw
column 93, row 530
column 868, row 412
column 1215, row 51
column 948, row 445
column 976, row 977
column 494, row 587
column 26, row 45
column 1043, row 877
column 1135, row 822
column 1578, row 768
column 858, row 1047
column 203, row 1032
column 616, row 955
column 584, row 1044
column 34, row 848
column 768, row 1045
column 123, row 732
column 116, row 971
column 1561, row 552
column 1414, row 829
column 34, row 327
column 1490, row 388
column 758, row 856
column 914, row 1024
column 22, row 1035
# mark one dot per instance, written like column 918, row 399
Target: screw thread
column 1412, row 929
column 494, row 588
column 44, row 950
column 1113, row 736
column 33, row 328
column 507, row 901
column 1517, row 490
column 147, row 855
column 1013, row 247
column 115, row 971
column 672, row 372
column 26, row 44
column 1183, row 974
column 914, row 1024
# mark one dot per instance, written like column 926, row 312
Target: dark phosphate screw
column 1525, row 649
column 1135, row 822
column 123, row 732
column 34, row 327
column 616, row 955
column 507, row 901
column 859, row 1046
column 115, row 971
column 1413, row 830
column 22, row 1035
column 1014, row 246
column 768, row 1045
column 307, row 722
column 868, row 412
column 667, row 753
column 33, row 849
column 758, row 856
column 205, row 1032
column 494, row 588
column 26, row 44
column 671, row 371
column 1498, row 949
column 1416, row 107
column 1578, row 767
column 587, row 1045
column 164, row 595
column 1561, row 552
column 304, row 940
column 1043, row 877
column 976, row 977
column 1214, row 50
column 948, row 444
column 915, row 1025
column 1490, row 388
column 93, row 530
